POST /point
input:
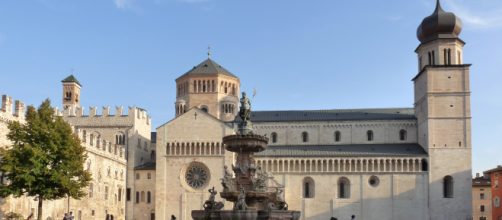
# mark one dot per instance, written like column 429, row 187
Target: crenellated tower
column 442, row 108
column 210, row 87
column 71, row 92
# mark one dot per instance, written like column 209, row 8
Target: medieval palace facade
column 383, row 163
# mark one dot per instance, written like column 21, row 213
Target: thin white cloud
column 183, row 1
column 486, row 19
column 124, row 4
column 193, row 1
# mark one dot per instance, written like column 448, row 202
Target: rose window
column 197, row 175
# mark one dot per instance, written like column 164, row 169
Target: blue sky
column 298, row 54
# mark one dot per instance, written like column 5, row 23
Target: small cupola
column 439, row 25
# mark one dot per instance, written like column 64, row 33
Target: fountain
column 255, row 194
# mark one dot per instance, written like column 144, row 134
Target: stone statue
column 241, row 201
column 245, row 126
column 227, row 181
column 245, row 111
column 260, row 183
column 211, row 204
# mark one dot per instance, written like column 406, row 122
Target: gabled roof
column 355, row 150
column 71, row 78
column 208, row 66
column 333, row 115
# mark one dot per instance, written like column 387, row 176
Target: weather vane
column 209, row 51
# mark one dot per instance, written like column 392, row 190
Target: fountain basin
column 245, row 143
column 246, row 215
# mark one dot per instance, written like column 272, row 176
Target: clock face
column 197, row 175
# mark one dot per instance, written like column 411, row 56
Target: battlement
column 10, row 111
column 102, row 147
column 133, row 113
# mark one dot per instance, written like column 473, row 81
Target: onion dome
column 439, row 25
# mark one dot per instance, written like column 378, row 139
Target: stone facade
column 144, row 195
column 116, row 144
column 107, row 164
column 366, row 163
column 194, row 137
column 481, row 198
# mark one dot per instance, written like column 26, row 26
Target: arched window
column 274, row 137
column 424, row 165
column 204, row 108
column 369, row 135
column 308, row 187
column 305, row 137
column 84, row 135
column 402, row 135
column 343, row 188
column 137, row 196
column 142, row 196
column 120, row 138
column 338, row 136
column 496, row 202
column 91, row 141
column 448, row 187
column 148, row 197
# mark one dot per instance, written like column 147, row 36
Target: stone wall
column 144, row 195
column 351, row 132
column 107, row 165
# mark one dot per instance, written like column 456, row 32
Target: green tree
column 45, row 160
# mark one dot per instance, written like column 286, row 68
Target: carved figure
column 260, row 183
column 245, row 110
column 227, row 181
column 211, row 204
column 241, row 201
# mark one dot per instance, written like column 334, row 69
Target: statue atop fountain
column 249, row 190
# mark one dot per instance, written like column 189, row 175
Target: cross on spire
column 209, row 51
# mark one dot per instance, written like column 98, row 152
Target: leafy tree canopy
column 45, row 159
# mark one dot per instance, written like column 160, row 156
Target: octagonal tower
column 210, row 87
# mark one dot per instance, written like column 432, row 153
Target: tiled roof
column 481, row 181
column 208, row 66
column 71, row 78
column 146, row 166
column 333, row 115
column 355, row 150
column 498, row 169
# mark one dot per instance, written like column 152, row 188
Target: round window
column 374, row 181
column 197, row 175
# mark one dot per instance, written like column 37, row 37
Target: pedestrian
column 353, row 217
column 66, row 217
column 71, row 217
column 173, row 217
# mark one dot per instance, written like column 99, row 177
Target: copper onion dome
column 439, row 25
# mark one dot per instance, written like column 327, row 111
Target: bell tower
column 71, row 92
column 442, row 108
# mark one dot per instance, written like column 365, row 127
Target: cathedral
column 382, row 163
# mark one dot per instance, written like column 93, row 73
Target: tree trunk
column 39, row 216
